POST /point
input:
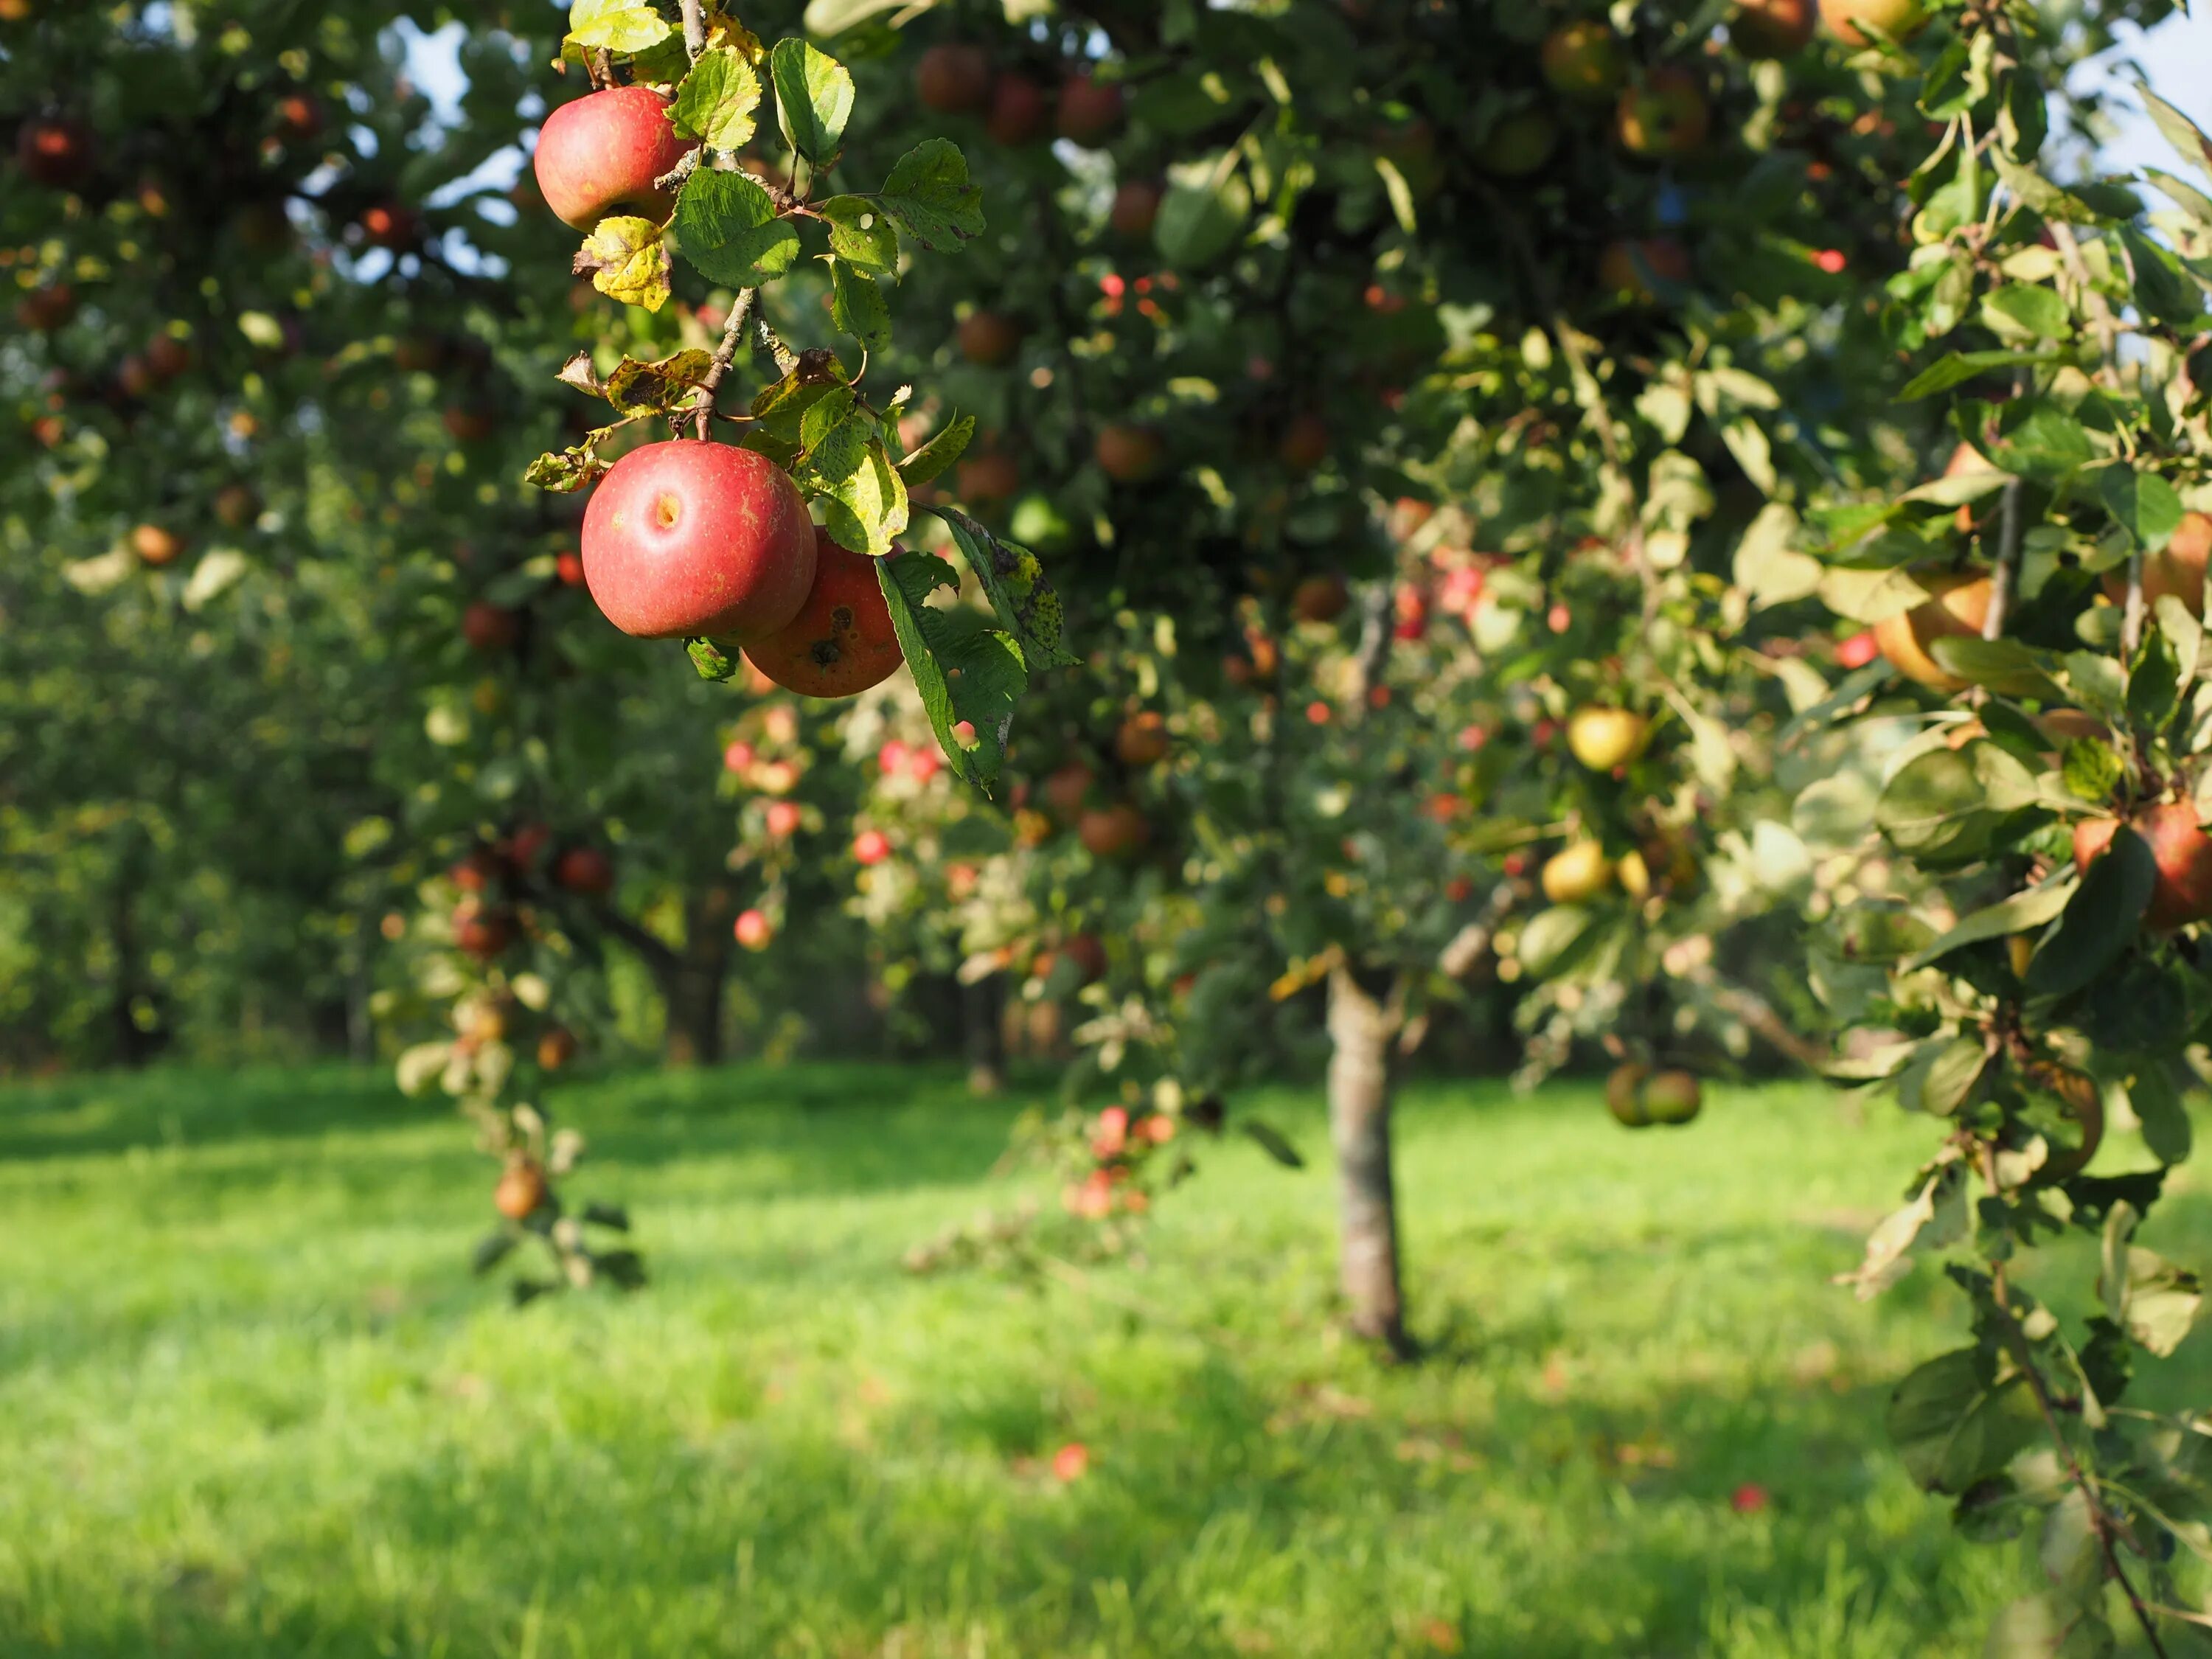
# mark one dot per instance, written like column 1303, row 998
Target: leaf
column 637, row 388
column 2142, row 503
column 836, row 16
column 2004, row 665
column 626, row 261
column 1935, row 1219
column 966, row 670
column 862, row 235
column 715, row 102
column 622, row 26
column 711, row 661
column 2035, row 907
column 857, row 307
column 1767, row 567
column 2162, row 1303
column 727, row 225
column 1014, row 581
column 929, row 195
column 1941, row 1076
column 2165, row 1127
column 564, row 471
column 2183, row 631
column 2091, row 770
column 813, row 99
column 2100, row 921
column 1959, row 367
column 1954, row 1424
column 2187, row 138
column 863, row 497
column 2024, row 308
column 492, row 1249
column 1272, row 1141
column 1198, row 223
column 945, row 446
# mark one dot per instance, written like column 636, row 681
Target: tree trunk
column 1360, row 1030
column 982, row 1017
column 691, row 992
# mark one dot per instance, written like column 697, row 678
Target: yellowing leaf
column 626, row 260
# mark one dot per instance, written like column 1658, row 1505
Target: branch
column 694, row 30
column 703, row 406
column 1375, row 609
column 2007, row 571
column 656, row 951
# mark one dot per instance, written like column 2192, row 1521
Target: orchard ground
column 250, row 1403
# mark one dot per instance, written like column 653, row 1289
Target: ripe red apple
column 2183, row 891
column 1320, row 599
column 1136, row 208
column 1143, row 738
column 470, row 422
column 1517, row 143
column 556, row 1048
column 521, row 1189
column 490, row 627
column 568, row 569
column 1773, row 28
column 522, row 848
column 1664, row 114
column 167, row 356
column 989, row 338
column 1113, row 832
column 54, row 150
column 1090, row 110
column 2177, row 569
column 299, row 116
column 991, row 475
column 871, row 847
column 754, row 930
column 1305, row 444
column 781, row 818
column 1129, row 454
column 599, row 155
column 842, row 642
column 1067, row 789
column 685, row 539
column 585, row 870
column 155, row 545
column 953, row 80
column 1856, row 652
column 481, row 933
column 46, row 309
column 1632, row 270
column 1018, row 110
column 1958, row 605
column 1849, row 20
column 1584, row 60
column 387, row 224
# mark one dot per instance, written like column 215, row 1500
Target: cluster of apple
column 1120, row 1151
column 1638, row 1096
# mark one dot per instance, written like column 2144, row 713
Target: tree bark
column 691, row 992
column 1360, row 1030
column 982, row 1018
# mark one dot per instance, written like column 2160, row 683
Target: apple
column 684, row 539
column 299, row 116
column 476, row 871
column 754, row 930
column 1856, row 22
column 1856, row 652
column 1136, row 208
column 1958, row 604
column 46, row 309
column 1305, row 443
column 871, row 847
column 568, row 569
column 1113, row 832
column 2177, row 569
column 54, row 150
column 556, row 1048
column 2183, row 891
column 1602, row 739
column 522, row 848
column 1664, row 114
column 1624, row 1095
column 1018, row 110
column 585, row 870
column 156, row 545
column 521, row 1189
column 1129, row 454
column 990, row 475
column 1090, row 110
column 1321, row 599
column 989, row 338
column 1143, row 738
column 1517, row 143
column 490, row 627
column 470, row 422
column 387, row 224
column 1088, row 952
column 1577, row 872
column 953, row 79
column 1966, row 459
column 1773, row 28
column 1673, row 1097
column 481, row 933
column 167, row 356
column 739, row 756
column 1067, row 789
column 1584, row 60
column 842, row 642
column 599, row 155
column 1633, row 270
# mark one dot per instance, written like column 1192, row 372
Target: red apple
column 155, row 545
column 1018, row 110
column 55, row 151
column 1320, row 599
column 1090, row 111
column 1773, row 28
column 1129, row 454
column 754, row 930
column 2177, row 569
column 2183, row 891
column 1305, row 443
column 685, row 539
column 46, row 309
column 167, row 356
column 599, row 155
column 1143, row 738
column 489, row 628
column 1110, row 832
column 299, row 116
column 953, row 80
column 1664, row 114
column 585, row 870
column 871, row 847
column 842, row 642
column 990, row 475
column 387, row 224
column 1136, row 208
column 781, row 818
column 989, row 338
column 568, row 569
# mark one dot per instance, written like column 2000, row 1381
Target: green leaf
column 727, row 225
column 2005, row 666
column 2163, row 289
column 965, row 670
column 2183, row 631
column 929, row 195
column 863, row 497
column 813, row 97
column 622, row 26
column 2091, row 770
column 2165, row 1127
column 1198, row 223
column 2028, row 309
column 2043, row 439
column 2101, row 920
column 2035, row 907
column 824, row 415
column 1272, row 1141
column 626, row 261
column 2162, row 1303
column 1014, row 581
column 1940, row 1076
column 2187, row 138
column 1954, row 1424
column 1956, row 367
column 945, row 446
column 712, row 661
column 857, row 307
column 564, row 471
column 716, row 101
column 862, row 235
column 2142, row 503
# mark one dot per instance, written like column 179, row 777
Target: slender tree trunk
column 691, row 992
column 1360, row 1029
column 982, row 1018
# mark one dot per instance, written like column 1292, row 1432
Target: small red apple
column 871, row 847
column 490, row 627
column 2183, row 891
column 599, row 155
column 389, row 225
column 1305, row 443
column 1129, row 454
column 990, row 475
column 684, row 539
column 1320, row 599
column 1856, row 652
column 46, row 309
column 781, row 818
column 1091, row 112
column 54, row 150
column 989, row 338
column 953, row 79
column 585, row 870
column 1773, row 28
column 299, row 116
column 155, row 545
column 1136, row 208
column 754, row 930
column 1017, row 111
column 568, row 569
column 842, row 642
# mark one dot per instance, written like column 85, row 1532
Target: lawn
column 252, row 1404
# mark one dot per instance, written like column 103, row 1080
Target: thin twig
column 702, row 407
column 2007, row 578
column 694, row 30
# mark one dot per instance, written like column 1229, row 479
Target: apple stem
column 732, row 331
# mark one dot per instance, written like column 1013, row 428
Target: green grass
column 251, row 1404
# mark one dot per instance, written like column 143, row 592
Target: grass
column 252, row 1405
